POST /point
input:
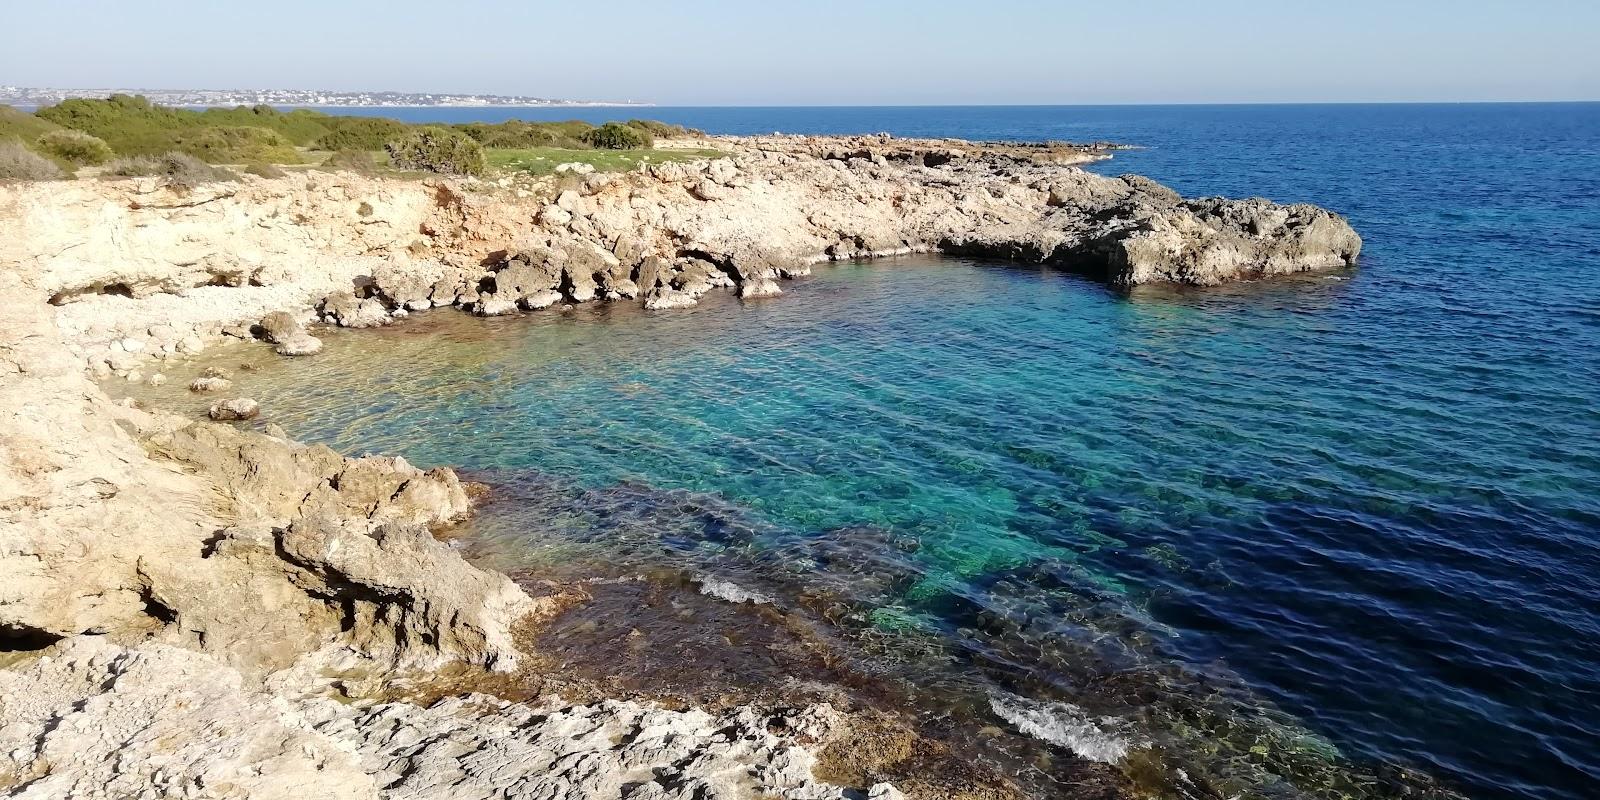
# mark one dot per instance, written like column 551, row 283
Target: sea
column 1329, row 536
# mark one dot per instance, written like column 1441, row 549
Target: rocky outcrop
column 258, row 550
column 139, row 270
column 667, row 236
column 98, row 720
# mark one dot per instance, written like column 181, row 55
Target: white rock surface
column 98, row 720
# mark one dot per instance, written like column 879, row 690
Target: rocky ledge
column 161, row 577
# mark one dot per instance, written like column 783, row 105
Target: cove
column 1095, row 503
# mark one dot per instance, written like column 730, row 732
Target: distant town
column 21, row 96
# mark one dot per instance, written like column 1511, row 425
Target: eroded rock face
column 336, row 550
column 239, row 544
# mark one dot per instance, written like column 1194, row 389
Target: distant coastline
column 299, row 98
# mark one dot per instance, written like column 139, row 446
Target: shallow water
column 1235, row 531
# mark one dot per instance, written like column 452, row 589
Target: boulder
column 300, row 344
column 279, row 326
column 541, row 299
column 494, row 307
column 238, row 408
column 210, row 384
column 344, row 309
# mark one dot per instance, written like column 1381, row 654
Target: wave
column 1102, row 739
column 731, row 592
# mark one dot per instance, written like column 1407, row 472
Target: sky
column 894, row 52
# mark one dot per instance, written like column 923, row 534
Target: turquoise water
column 1355, row 513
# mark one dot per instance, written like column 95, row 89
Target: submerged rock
column 239, row 408
column 299, row 344
column 210, row 384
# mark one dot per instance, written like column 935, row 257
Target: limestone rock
column 348, row 311
column 238, row 408
column 280, row 326
column 406, row 596
column 98, row 720
column 101, row 720
column 205, row 384
column 300, row 344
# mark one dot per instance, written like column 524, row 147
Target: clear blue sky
column 824, row 52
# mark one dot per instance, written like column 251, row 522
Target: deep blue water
column 1372, row 499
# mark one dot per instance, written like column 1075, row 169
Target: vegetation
column 434, row 149
column 74, row 147
column 21, row 125
column 516, row 134
column 359, row 161
column 617, row 136
column 361, row 133
column 301, row 126
column 130, row 126
column 180, row 169
column 237, row 145
column 18, row 163
column 544, row 160
column 265, row 170
column 662, row 129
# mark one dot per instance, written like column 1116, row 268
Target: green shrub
column 129, row 123
column 180, row 169
column 16, row 124
column 434, row 149
column 237, row 145
column 132, row 125
column 351, row 161
column 361, row 133
column 662, row 129
column 521, row 135
column 301, row 126
column 616, row 136
column 75, row 148
column 18, row 163
column 265, row 170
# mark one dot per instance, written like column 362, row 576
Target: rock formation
column 140, row 269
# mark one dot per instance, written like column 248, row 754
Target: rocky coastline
column 161, row 575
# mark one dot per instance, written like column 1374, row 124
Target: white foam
column 731, row 592
column 1065, row 725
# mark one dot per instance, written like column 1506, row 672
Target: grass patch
column 544, row 160
column 18, row 163
column 181, row 170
